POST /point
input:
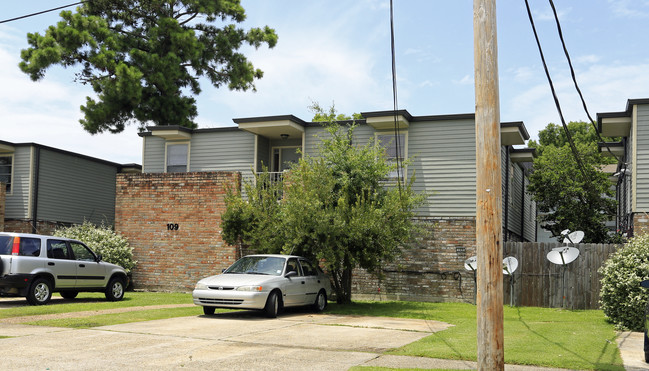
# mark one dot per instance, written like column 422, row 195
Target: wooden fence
column 538, row 282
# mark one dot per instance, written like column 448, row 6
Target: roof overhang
column 6, row 147
column 616, row 149
column 614, row 125
column 522, row 154
column 171, row 132
column 274, row 127
column 386, row 120
column 512, row 133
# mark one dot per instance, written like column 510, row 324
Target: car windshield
column 266, row 265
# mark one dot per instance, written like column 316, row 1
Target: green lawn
column 533, row 336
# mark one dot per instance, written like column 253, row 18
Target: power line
column 395, row 102
column 556, row 99
column 574, row 79
column 42, row 12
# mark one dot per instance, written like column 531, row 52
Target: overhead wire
column 574, row 78
column 395, row 102
column 42, row 12
column 573, row 148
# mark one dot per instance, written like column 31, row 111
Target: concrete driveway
column 227, row 341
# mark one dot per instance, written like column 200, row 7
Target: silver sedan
column 265, row 282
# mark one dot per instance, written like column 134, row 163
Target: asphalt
column 241, row 341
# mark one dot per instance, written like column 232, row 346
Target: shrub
column 621, row 298
column 113, row 247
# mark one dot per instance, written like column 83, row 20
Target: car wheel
column 272, row 305
column 208, row 311
column 69, row 294
column 115, row 289
column 40, row 292
column 320, row 302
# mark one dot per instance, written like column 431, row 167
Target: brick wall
column 640, row 223
column 25, row 226
column 431, row 271
column 172, row 221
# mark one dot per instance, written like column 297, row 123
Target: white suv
column 34, row 266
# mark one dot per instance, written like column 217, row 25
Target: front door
column 283, row 157
column 295, row 287
column 61, row 264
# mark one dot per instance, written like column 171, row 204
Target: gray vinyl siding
column 503, row 174
column 515, row 199
column 227, row 150
column 443, row 154
column 529, row 215
column 642, row 159
column 74, row 189
column 17, row 201
column 263, row 153
column 153, row 156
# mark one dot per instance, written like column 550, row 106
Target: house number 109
column 172, row 226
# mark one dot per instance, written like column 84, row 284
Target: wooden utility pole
column 488, row 189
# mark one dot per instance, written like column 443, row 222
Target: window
column 30, row 246
column 81, row 252
column 57, row 249
column 395, row 149
column 177, row 158
column 308, row 269
column 6, row 170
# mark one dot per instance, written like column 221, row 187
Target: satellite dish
column 471, row 263
column 563, row 255
column 510, row 264
column 565, row 232
column 574, row 237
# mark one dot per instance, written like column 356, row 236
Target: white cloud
column 548, row 15
column 466, row 80
column 606, row 88
column 630, row 9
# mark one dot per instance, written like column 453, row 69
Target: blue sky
column 339, row 51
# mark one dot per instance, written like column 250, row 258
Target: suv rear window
column 6, row 243
column 28, row 246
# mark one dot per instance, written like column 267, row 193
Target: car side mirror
column 99, row 258
column 290, row 274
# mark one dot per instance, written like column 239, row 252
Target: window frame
column 9, row 186
column 404, row 168
column 166, row 160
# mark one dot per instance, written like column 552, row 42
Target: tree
column 142, row 57
column 331, row 115
column 338, row 208
column 572, row 196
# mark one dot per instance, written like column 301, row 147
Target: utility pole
column 488, row 189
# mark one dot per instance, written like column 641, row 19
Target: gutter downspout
column 37, row 160
column 523, row 207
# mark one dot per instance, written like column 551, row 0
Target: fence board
column 538, row 282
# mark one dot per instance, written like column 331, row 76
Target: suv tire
column 115, row 289
column 40, row 292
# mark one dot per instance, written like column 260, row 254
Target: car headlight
column 249, row 288
column 200, row 286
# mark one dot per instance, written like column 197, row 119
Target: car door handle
column 304, row 283
column 50, row 263
column 82, row 265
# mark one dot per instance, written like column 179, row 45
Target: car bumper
column 230, row 299
column 15, row 284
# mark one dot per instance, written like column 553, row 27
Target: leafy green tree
column 142, row 57
column 337, row 207
column 331, row 115
column 572, row 196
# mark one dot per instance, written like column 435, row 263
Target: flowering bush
column 113, row 247
column 621, row 298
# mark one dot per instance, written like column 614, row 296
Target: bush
column 113, row 247
column 621, row 298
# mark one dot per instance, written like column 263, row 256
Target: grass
column 533, row 336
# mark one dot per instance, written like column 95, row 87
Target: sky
column 338, row 52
